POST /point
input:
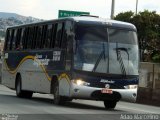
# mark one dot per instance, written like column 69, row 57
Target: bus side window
column 25, row 38
column 34, row 37
column 14, row 39
column 8, row 36
column 67, row 43
column 21, row 39
column 43, row 38
column 49, row 35
column 30, row 38
column 39, row 36
column 18, row 38
column 11, row 39
column 59, row 34
column 53, row 36
column 62, row 35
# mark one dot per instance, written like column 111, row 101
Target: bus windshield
column 105, row 50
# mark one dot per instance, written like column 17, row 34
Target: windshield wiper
column 119, row 57
column 99, row 58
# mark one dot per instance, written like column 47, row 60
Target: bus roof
column 87, row 19
column 109, row 22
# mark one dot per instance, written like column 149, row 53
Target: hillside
column 12, row 19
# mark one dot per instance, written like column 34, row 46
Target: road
column 42, row 107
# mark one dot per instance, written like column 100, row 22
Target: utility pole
column 136, row 7
column 112, row 9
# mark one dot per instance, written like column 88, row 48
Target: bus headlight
column 131, row 86
column 80, row 82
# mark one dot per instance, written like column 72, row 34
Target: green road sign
column 65, row 13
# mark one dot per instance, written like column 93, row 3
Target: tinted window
column 39, row 37
column 34, row 37
column 18, row 38
column 53, row 34
column 21, row 39
column 11, row 40
column 43, row 38
column 25, row 38
column 91, row 32
column 49, row 35
column 59, row 34
column 8, row 37
column 122, row 36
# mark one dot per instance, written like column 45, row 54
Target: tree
column 148, row 28
column 125, row 16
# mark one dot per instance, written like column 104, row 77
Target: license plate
column 108, row 91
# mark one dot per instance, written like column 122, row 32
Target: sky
column 48, row 9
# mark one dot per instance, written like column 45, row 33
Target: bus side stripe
column 22, row 61
column 42, row 67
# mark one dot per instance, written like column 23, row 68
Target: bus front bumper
column 85, row 92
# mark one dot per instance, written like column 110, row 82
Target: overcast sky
column 48, row 9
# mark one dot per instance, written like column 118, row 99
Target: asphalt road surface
column 41, row 107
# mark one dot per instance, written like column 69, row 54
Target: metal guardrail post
column 153, row 80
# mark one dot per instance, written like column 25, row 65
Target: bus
column 84, row 57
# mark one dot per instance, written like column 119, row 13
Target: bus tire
column 19, row 92
column 110, row 104
column 58, row 100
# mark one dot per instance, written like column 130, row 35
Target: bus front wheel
column 110, row 104
column 58, row 100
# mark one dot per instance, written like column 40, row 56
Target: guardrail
column 149, row 84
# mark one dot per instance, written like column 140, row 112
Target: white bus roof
column 102, row 20
column 88, row 19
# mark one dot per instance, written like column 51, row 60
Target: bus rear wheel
column 19, row 92
column 110, row 104
column 58, row 100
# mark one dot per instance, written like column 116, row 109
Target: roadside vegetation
column 148, row 28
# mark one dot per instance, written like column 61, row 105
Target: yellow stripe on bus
column 64, row 75
column 24, row 59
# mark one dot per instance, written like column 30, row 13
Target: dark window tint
column 122, row 36
column 59, row 34
column 67, row 43
column 7, row 41
column 39, row 37
column 91, row 32
column 14, row 39
column 21, row 39
column 11, row 40
column 25, row 38
column 53, row 35
column 18, row 38
column 30, row 37
column 49, row 35
column 67, row 34
column 43, row 38
column 34, row 37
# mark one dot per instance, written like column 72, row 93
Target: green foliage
column 156, row 58
column 148, row 28
column 126, row 17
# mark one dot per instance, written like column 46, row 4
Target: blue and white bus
column 81, row 57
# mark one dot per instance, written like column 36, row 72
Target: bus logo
column 107, row 86
column 107, row 81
